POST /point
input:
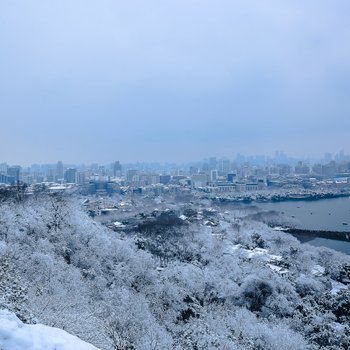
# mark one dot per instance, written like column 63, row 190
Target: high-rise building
column 193, row 170
column 224, row 166
column 71, row 175
column 164, row 179
column 14, row 171
column 130, row 174
column 212, row 163
column 317, row 169
column 213, row 175
column 329, row 170
column 5, row 179
column 59, row 171
column 231, row 177
column 327, row 158
column 206, row 167
column 3, row 168
column 199, row 180
column 50, row 176
column 81, row 177
column 117, row 168
column 302, row 168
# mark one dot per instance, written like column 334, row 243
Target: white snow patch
column 158, row 200
column 275, row 258
column 279, row 228
column 119, row 224
column 258, row 252
column 278, row 269
column 237, row 246
column 15, row 335
column 318, row 270
column 209, row 223
column 3, row 248
column 337, row 287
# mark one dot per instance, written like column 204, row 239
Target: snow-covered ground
column 15, row 335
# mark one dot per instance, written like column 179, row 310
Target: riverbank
column 307, row 235
column 279, row 196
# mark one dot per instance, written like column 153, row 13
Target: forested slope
column 179, row 278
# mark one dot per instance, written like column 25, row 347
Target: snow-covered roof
column 58, row 188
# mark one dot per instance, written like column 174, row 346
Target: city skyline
column 211, row 175
column 277, row 156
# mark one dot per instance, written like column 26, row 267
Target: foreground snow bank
column 15, row 335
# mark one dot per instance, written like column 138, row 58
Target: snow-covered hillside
column 15, row 335
column 177, row 275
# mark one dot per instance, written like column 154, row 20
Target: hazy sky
column 177, row 80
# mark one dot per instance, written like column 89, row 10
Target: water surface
column 323, row 214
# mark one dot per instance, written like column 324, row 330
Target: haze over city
column 88, row 81
column 174, row 175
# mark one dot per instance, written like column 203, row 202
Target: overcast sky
column 176, row 80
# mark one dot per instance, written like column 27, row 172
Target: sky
column 177, row 80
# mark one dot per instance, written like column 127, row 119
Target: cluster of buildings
column 9, row 174
column 212, row 175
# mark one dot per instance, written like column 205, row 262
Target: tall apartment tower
column 212, row 163
column 59, row 171
column 130, row 174
column 71, row 175
column 117, row 168
column 14, row 172
column 3, row 168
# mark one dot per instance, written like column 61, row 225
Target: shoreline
column 276, row 198
column 307, row 235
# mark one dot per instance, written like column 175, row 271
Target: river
column 325, row 215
